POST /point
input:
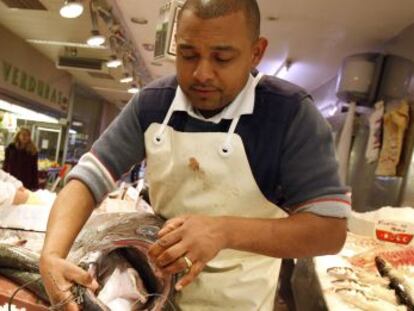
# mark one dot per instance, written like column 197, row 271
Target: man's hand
column 59, row 276
column 21, row 196
column 199, row 238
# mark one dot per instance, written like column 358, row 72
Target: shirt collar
column 242, row 105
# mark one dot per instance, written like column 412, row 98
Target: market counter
column 350, row 280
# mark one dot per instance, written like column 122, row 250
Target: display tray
column 351, row 280
column 23, row 299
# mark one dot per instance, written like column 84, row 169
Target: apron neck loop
column 160, row 132
column 226, row 148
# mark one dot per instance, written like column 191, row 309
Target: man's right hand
column 59, row 275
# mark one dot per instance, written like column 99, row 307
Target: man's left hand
column 199, row 238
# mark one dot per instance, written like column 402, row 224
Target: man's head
column 207, row 9
column 217, row 46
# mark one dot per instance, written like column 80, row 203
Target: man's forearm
column 300, row 235
column 71, row 210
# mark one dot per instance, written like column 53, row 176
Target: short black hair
column 206, row 9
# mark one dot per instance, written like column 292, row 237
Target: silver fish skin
column 21, row 266
column 18, row 258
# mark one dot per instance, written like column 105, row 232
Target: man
column 228, row 154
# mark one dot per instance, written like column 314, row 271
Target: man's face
column 214, row 58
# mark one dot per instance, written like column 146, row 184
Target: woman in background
column 21, row 159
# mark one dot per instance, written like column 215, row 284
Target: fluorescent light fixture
column 139, row 20
column 96, row 39
column 26, row 114
column 283, row 70
column 133, row 89
column 126, row 78
column 71, row 9
column 114, row 62
column 65, row 43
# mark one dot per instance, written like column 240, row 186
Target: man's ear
column 259, row 48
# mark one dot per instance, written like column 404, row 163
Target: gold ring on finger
column 189, row 263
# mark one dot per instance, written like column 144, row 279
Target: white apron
column 191, row 173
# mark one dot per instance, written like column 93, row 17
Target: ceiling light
column 71, row 9
column 65, row 43
column 26, row 114
column 96, row 39
column 114, row 62
column 148, row 47
column 133, row 89
column 77, row 123
column 139, row 20
column 272, row 18
column 126, row 78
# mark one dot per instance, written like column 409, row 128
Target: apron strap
column 160, row 132
column 226, row 149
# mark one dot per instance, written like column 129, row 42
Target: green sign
column 29, row 83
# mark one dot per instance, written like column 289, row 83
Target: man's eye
column 223, row 60
column 188, row 56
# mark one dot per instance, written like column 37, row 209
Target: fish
column 397, row 257
column 18, row 258
column 374, row 290
column 363, row 301
column 341, row 272
column 21, row 266
column 355, row 273
column 403, row 286
column 113, row 248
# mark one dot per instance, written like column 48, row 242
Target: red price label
column 399, row 238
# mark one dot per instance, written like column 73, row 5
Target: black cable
column 19, row 289
column 51, row 308
column 162, row 296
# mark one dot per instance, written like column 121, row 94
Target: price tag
column 394, row 232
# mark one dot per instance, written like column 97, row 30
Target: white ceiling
column 316, row 35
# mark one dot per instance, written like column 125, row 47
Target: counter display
column 375, row 270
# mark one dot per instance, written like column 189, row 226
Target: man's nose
column 204, row 72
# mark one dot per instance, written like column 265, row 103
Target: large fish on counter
column 114, row 249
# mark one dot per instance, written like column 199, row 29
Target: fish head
column 114, row 250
